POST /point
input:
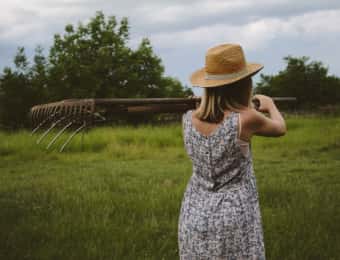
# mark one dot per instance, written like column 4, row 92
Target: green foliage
column 118, row 195
column 309, row 82
column 87, row 61
column 17, row 91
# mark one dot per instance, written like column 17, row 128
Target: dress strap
column 185, row 121
column 239, row 126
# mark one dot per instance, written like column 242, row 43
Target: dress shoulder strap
column 185, row 119
column 234, row 122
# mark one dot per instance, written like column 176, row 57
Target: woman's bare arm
column 274, row 125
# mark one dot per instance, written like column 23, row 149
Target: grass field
column 117, row 194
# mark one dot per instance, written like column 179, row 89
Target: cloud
column 148, row 17
column 185, row 29
column 166, row 16
column 255, row 34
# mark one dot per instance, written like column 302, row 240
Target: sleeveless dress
column 220, row 216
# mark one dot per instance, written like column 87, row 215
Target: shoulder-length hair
column 216, row 100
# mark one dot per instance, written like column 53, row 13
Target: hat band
column 225, row 76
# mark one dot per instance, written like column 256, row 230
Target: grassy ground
column 117, row 194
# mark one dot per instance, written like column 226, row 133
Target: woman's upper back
column 247, row 119
column 217, row 158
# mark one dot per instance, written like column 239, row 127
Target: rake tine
column 99, row 116
column 42, row 123
column 58, row 134
column 71, row 136
column 49, row 129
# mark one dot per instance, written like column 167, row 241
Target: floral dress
column 220, row 216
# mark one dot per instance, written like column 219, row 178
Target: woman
column 220, row 215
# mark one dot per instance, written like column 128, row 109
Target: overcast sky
column 182, row 31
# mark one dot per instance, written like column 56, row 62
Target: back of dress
column 220, row 215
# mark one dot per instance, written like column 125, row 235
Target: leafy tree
column 87, row 61
column 17, row 94
column 95, row 61
column 307, row 81
column 39, row 76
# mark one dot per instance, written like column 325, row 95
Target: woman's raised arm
column 273, row 126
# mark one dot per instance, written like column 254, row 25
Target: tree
column 90, row 61
column 307, row 81
column 95, row 61
column 17, row 94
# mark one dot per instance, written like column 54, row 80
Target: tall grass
column 115, row 193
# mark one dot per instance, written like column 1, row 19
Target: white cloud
column 182, row 12
column 255, row 34
column 151, row 16
column 182, row 29
column 165, row 15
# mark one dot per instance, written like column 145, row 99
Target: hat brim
column 198, row 79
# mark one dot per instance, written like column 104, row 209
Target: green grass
column 116, row 194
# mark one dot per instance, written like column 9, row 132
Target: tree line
column 93, row 60
column 87, row 61
column 306, row 80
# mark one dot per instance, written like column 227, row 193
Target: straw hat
column 224, row 64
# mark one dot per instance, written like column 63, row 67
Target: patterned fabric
column 220, row 215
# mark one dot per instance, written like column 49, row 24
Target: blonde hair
column 216, row 100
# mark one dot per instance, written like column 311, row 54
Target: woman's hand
column 266, row 103
column 274, row 125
